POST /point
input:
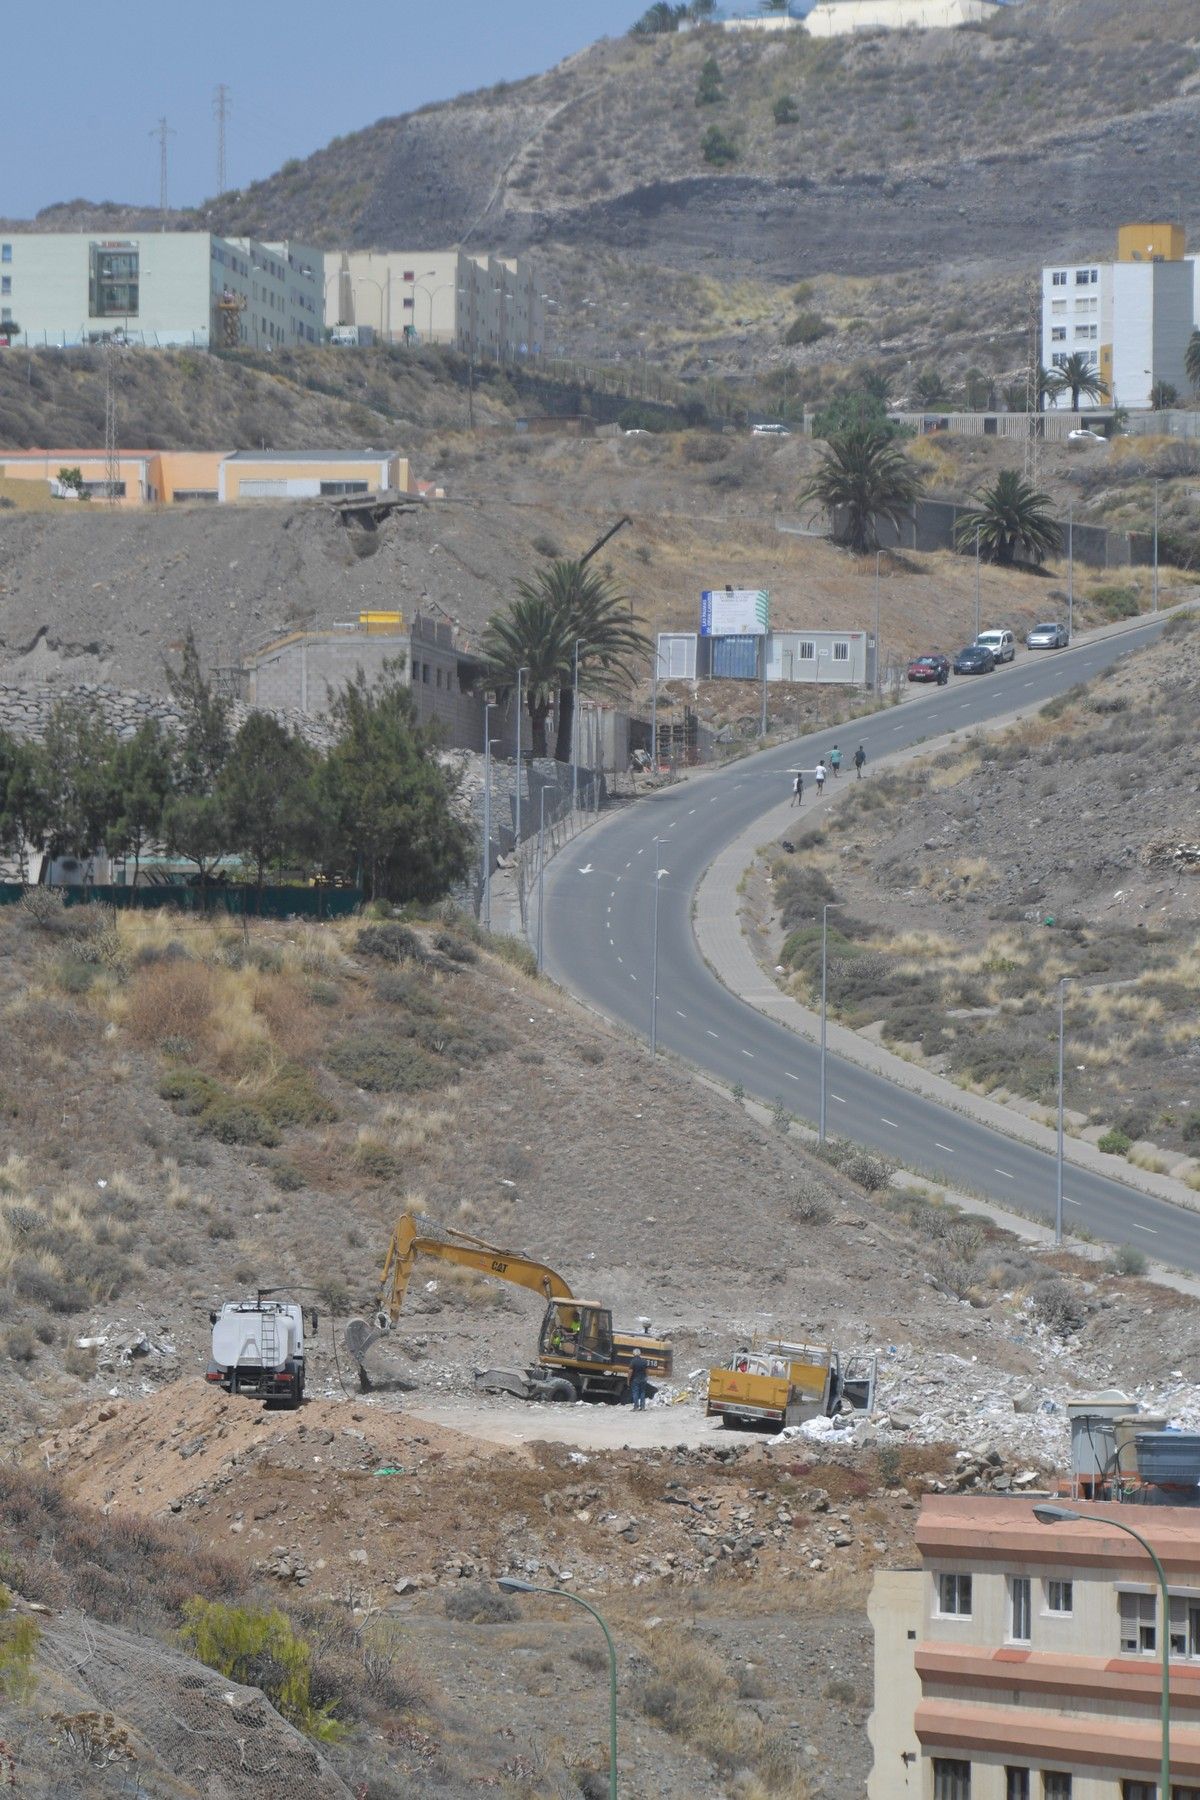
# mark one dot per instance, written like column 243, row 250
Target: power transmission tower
column 221, row 111
column 162, row 131
column 112, row 459
column 1033, row 389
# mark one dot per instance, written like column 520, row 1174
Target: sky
column 80, row 119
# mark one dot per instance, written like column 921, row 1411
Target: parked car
column 930, row 668
column 769, row 431
column 1002, row 644
column 976, row 659
column 1084, row 432
column 1050, row 636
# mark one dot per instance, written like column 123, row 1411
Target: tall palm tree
column 1010, row 516
column 930, row 390
column 531, row 636
column 1191, row 360
column 864, row 477
column 1082, row 377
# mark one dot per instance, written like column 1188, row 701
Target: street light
column 878, row 554
column 1047, row 1514
column 1070, row 570
column 1156, row 543
column 523, row 670
column 1058, row 1201
column 977, row 583
column 541, row 876
column 659, row 872
column 487, row 816
column 654, row 712
column 511, row 1584
column 431, row 295
column 824, row 1011
column 575, row 731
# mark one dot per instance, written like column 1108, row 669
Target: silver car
column 1050, row 636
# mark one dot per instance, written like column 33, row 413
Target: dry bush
column 692, row 1694
column 288, row 1015
column 471, row 1603
column 171, row 1001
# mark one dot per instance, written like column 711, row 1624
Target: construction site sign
column 734, row 612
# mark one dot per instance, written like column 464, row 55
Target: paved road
column 598, row 940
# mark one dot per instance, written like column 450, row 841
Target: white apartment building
column 1131, row 318
column 485, row 306
column 159, row 290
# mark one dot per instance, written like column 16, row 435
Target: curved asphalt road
column 598, row 945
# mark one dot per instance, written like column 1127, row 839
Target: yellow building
column 305, row 475
column 1159, row 242
column 171, row 477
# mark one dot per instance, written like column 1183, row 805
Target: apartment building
column 1022, row 1661
column 1130, row 318
column 159, row 290
column 485, row 306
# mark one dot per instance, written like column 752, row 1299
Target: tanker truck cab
column 258, row 1348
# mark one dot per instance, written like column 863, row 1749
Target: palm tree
column 1191, row 360
column 866, row 478
column 529, row 636
column 1079, row 374
column 1010, row 516
column 929, row 389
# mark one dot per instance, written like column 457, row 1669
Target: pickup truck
column 782, row 1384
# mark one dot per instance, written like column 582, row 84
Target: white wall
column 1153, row 314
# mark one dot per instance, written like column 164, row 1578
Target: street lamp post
column 487, row 817
column 824, row 1011
column 654, row 713
column 1047, row 1514
column 517, row 818
column 1058, row 1199
column 541, row 876
column 575, row 731
column 762, row 729
column 511, row 1584
column 977, row 583
column 659, row 872
column 1156, row 543
column 1070, row 570
column 878, row 670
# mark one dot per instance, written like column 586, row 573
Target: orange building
column 155, row 477
column 1022, row 1661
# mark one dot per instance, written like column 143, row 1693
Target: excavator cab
column 578, row 1331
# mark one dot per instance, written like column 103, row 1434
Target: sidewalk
column 717, row 921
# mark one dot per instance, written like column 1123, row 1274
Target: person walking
column 798, row 788
column 860, row 757
column 820, row 779
column 835, row 761
column 639, row 1368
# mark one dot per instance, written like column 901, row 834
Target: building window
column 1058, row 307
column 1058, row 334
column 425, row 674
column 1138, row 1612
column 408, row 304
column 951, row 1780
column 807, row 651
column 409, row 275
column 416, row 671
column 1016, row 1784
column 438, row 673
column 1060, row 1596
column 1055, row 1785
column 841, row 651
column 5, row 252
column 1022, row 1610
column 1059, row 278
column 113, row 282
column 1185, row 1628
column 5, row 315
column 1139, row 1790
column 330, row 489
column 954, row 1596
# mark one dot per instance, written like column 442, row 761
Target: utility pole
column 1033, row 397
column 162, row 131
column 878, row 670
column 1058, row 1194
column 486, row 904
column 517, row 817
column 1070, row 571
column 976, row 637
column 1156, row 543
column 221, row 110
column 112, row 458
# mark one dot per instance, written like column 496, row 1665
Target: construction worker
column 639, row 1368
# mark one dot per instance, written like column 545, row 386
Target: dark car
column 930, row 668
column 976, row 659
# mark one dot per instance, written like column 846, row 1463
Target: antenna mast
column 162, row 131
column 221, row 111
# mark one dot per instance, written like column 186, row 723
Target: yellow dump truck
column 776, row 1383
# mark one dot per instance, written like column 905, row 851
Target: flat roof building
column 1130, row 319
column 485, row 306
column 159, row 290
column 150, row 477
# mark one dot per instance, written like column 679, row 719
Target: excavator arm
column 465, row 1252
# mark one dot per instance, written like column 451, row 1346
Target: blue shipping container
column 735, row 658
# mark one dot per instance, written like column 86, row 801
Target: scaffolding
column 229, row 309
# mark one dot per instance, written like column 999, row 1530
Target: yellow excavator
column 579, row 1355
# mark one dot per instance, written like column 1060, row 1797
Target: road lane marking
column 680, row 1015
column 1146, row 1228
column 1071, row 1202
column 790, row 1076
column 621, row 960
column 945, row 1147
column 1007, row 1176
column 890, row 1122
column 712, row 1034
column 633, row 978
column 838, row 1098
column 748, row 1053
column 691, row 810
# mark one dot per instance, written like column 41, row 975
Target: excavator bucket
column 359, row 1338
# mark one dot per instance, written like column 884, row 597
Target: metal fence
column 270, row 903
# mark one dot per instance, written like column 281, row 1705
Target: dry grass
column 692, row 1694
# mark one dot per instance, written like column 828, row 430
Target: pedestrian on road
column 860, row 757
column 820, row 779
column 639, row 1368
column 798, row 788
column 835, row 761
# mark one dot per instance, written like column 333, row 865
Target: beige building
column 485, row 306
column 1022, row 1661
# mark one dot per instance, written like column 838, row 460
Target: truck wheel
column 560, row 1389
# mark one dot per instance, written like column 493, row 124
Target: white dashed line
column 691, row 810
column 890, row 1122
column 748, row 1053
column 680, row 1015
column 790, row 1076
column 838, row 1098
column 621, row 960
column 945, row 1147
column 1007, row 1176
column 1150, row 1232
column 633, row 978
column 1071, row 1202
column 712, row 1034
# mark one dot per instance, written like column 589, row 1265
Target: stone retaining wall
column 25, row 711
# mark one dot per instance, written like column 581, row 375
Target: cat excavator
column 579, row 1355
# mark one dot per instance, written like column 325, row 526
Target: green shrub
column 293, row 1098
column 456, row 948
column 286, row 1178
column 708, row 89
column 718, row 148
column 1128, row 1261
column 807, row 328
column 390, row 942
column 376, row 1161
column 384, row 1065
column 1116, row 602
column 471, row 1603
column 1115, row 1142
column 233, row 1121
column 784, row 110
column 260, row 1649
column 866, row 1168
column 19, row 1639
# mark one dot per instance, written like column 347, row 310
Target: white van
column 1002, row 644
